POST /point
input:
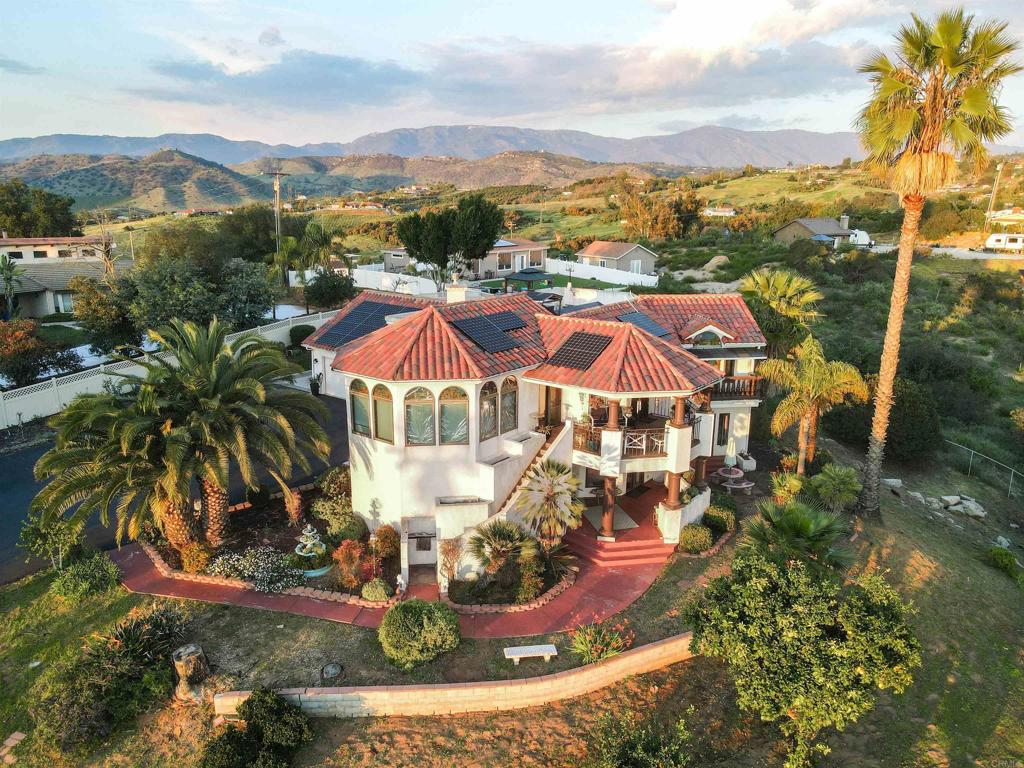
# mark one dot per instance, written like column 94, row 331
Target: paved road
column 18, row 487
column 961, row 253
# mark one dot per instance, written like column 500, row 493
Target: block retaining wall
column 566, row 581
column 461, row 698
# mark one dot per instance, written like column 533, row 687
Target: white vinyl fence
column 392, row 281
column 46, row 398
column 605, row 274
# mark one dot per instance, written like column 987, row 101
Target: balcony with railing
column 637, row 442
column 739, row 388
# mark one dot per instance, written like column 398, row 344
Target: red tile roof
column 634, row 360
column 412, row 302
column 677, row 311
column 86, row 240
column 426, row 347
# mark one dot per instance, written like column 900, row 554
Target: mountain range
column 707, row 146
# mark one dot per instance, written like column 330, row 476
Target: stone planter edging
column 484, row 696
column 563, row 584
column 222, row 581
column 714, row 548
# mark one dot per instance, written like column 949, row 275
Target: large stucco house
column 508, row 255
column 450, row 401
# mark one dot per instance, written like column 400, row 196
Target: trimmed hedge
column 299, row 333
column 415, row 631
column 376, row 590
column 696, row 538
column 720, row 520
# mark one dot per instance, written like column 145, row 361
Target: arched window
column 454, row 416
column 383, row 414
column 488, row 411
column 707, row 339
column 509, row 404
column 419, row 417
column 359, row 396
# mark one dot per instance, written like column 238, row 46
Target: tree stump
column 192, row 668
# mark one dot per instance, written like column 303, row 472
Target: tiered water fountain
column 311, row 547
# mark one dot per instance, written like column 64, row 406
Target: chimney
column 455, row 292
column 844, row 221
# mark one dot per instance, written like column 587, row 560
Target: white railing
column 979, row 461
column 45, row 398
column 604, row 274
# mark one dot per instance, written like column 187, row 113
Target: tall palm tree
column 106, row 458
column 934, row 105
column 227, row 398
column 548, row 502
column 318, row 244
column 798, row 531
column 815, row 385
column 287, row 257
column 783, row 303
column 10, row 274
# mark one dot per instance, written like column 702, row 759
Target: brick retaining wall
column 461, row 698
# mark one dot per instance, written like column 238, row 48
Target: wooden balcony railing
column 739, row 388
column 586, row 438
column 635, row 442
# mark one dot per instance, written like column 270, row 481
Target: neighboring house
column 628, row 257
column 826, row 230
column 44, row 286
column 721, row 211
column 508, row 255
column 35, row 248
column 450, row 401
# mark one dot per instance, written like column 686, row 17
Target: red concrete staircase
column 616, row 554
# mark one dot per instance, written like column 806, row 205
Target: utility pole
column 992, row 197
column 277, row 207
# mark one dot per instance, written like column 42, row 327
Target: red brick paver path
column 599, row 592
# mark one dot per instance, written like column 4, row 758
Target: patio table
column 730, row 473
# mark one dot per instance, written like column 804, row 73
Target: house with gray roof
column 832, row 232
column 44, row 285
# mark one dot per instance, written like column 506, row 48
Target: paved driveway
column 18, row 487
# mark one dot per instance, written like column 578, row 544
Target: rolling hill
column 333, row 175
column 162, row 181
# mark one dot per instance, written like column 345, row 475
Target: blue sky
column 312, row 71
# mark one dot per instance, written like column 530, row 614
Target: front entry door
column 552, row 406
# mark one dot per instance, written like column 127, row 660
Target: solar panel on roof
column 580, row 350
column 507, row 321
column 503, row 243
column 365, row 318
column 568, row 310
column 485, row 334
column 644, row 321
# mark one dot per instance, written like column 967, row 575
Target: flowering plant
column 265, row 567
column 593, row 642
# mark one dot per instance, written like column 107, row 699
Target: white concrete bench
column 518, row 652
column 740, row 486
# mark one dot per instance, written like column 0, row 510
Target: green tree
column 27, row 212
column 804, row 651
column 783, row 303
column 172, row 288
column 548, row 502
column 429, row 239
column 248, row 232
column 329, row 290
column 477, row 226
column 836, row 486
column 189, row 241
column 933, row 106
column 58, row 541
column 318, row 245
column 798, row 531
column 245, row 295
column 10, row 274
column 103, row 310
column 24, row 357
column 815, row 386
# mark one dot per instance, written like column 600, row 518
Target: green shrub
column 1003, row 559
column 531, row 579
column 695, row 538
column 720, row 520
column 299, row 333
column 335, row 482
column 342, row 523
column 416, row 631
column 195, row 557
column 86, row 577
column 265, row 567
column 627, row 742
column 377, row 590
column 593, row 642
column 388, row 541
column 231, row 748
column 723, row 499
column 275, row 722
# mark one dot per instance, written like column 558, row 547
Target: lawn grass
column 561, row 281
column 769, row 187
column 63, row 335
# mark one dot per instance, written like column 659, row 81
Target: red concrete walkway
column 599, row 592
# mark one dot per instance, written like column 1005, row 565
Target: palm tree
column 498, row 543
column 10, row 274
column 548, row 502
column 318, row 244
column 836, row 486
column 797, row 531
column 285, row 259
column 106, row 456
column 815, row 385
column 934, row 105
column 227, row 397
column 783, row 303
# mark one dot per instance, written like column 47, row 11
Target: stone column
column 608, row 505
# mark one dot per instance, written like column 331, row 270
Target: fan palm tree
column 815, row 385
column 548, row 502
column 935, row 103
column 227, row 398
column 783, row 303
column 10, row 274
column 836, row 486
column 798, row 531
column 287, row 256
column 318, row 244
column 106, row 457
column 498, row 543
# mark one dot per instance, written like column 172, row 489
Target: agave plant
column 798, row 531
column 498, row 543
column 548, row 502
